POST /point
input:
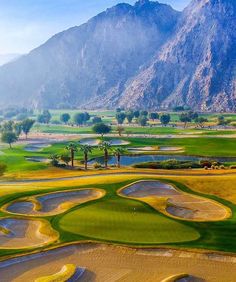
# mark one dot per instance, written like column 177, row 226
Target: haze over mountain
column 6, row 58
column 146, row 55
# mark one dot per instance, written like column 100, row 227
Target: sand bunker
column 118, row 142
column 91, row 142
column 156, row 149
column 69, row 273
column 111, row 263
column 36, row 147
column 53, row 203
column 173, row 202
column 23, row 233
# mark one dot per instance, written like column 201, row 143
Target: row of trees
column 142, row 117
column 78, row 119
column 190, row 116
column 10, row 131
column 87, row 149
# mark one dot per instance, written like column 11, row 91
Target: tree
column 144, row 113
column 65, row 158
column 65, row 118
column 86, row 149
column 143, row 120
column 165, row 119
column 27, row 125
column 120, row 129
column 222, row 121
column 188, row 117
column 178, row 109
column 101, row 128
column 72, row 148
column 120, row 117
column 96, row 120
column 105, row 146
column 45, row 117
column 129, row 115
column 18, row 128
column 86, row 117
column 8, row 126
column 118, row 152
column 201, row 121
column 9, row 137
column 185, row 118
column 79, row 119
column 154, row 116
column 136, row 114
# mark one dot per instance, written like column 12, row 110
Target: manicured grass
column 113, row 218
column 206, row 147
column 125, row 221
column 15, row 160
column 211, row 147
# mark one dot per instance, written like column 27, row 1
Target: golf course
column 156, row 204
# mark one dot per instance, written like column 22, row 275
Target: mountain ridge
column 131, row 56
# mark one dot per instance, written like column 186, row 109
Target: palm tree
column 118, row 152
column 105, row 146
column 72, row 147
column 86, row 149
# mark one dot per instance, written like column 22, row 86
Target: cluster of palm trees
column 105, row 146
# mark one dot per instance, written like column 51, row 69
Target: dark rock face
column 142, row 56
column 196, row 67
column 91, row 62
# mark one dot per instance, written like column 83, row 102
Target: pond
column 131, row 160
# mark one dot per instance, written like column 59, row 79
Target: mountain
column 6, row 58
column 142, row 56
column 91, row 62
column 196, row 67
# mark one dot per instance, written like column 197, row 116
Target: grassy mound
column 126, row 221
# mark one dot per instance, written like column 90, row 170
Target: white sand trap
column 118, row 142
column 111, row 263
column 23, row 233
column 170, row 149
column 91, row 142
column 52, row 203
column 156, row 149
column 36, row 147
column 171, row 201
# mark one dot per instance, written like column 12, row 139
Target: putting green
column 126, row 221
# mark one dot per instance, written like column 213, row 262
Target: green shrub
column 169, row 164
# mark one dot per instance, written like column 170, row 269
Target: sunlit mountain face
column 130, row 55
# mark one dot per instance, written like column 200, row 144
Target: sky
column 26, row 24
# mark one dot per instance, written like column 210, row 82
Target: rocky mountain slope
column 197, row 67
column 91, row 61
column 142, row 56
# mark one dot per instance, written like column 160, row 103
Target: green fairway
column 126, row 221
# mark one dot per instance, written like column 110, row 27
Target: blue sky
column 25, row 24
